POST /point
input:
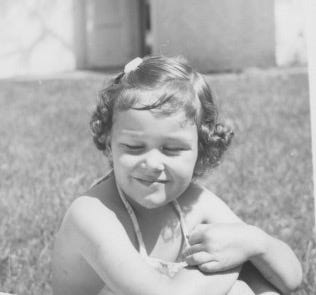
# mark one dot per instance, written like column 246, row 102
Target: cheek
column 125, row 162
column 185, row 165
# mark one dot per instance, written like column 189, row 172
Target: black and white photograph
column 157, row 147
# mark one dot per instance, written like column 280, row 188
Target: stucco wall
column 36, row 37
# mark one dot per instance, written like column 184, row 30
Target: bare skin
column 162, row 241
column 153, row 162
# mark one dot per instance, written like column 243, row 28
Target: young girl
column 148, row 227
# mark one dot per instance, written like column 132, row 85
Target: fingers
column 197, row 234
column 211, row 266
column 216, row 265
column 206, row 262
column 193, row 249
column 199, row 258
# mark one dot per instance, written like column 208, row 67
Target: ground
column 47, row 158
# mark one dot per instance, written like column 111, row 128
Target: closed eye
column 174, row 150
column 132, row 147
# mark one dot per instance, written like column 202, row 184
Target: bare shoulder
column 106, row 192
column 85, row 211
column 207, row 205
column 90, row 214
column 86, row 227
column 71, row 274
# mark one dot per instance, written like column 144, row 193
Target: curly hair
column 164, row 85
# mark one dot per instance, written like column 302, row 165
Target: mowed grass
column 47, row 159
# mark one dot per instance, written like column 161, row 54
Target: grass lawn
column 47, row 158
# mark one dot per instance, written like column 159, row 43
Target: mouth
column 149, row 181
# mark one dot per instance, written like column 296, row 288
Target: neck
column 143, row 212
column 140, row 211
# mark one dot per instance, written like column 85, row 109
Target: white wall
column 290, row 32
column 36, row 37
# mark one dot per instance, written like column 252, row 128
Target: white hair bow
column 132, row 65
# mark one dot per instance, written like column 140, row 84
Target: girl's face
column 153, row 155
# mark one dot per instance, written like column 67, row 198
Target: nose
column 154, row 160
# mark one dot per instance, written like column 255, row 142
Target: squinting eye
column 173, row 149
column 133, row 147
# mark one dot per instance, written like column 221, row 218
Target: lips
column 149, row 181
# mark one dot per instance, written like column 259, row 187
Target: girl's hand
column 222, row 246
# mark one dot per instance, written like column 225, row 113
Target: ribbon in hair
column 132, row 65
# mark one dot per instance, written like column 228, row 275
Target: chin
column 151, row 206
column 152, row 203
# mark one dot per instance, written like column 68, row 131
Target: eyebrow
column 135, row 134
column 131, row 133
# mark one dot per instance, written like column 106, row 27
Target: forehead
column 169, row 98
column 141, row 123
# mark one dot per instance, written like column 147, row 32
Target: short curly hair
column 175, row 86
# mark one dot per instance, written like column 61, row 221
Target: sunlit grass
column 47, row 158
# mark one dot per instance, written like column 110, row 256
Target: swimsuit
column 164, row 267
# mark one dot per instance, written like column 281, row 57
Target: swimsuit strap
column 184, row 229
column 141, row 244
column 98, row 180
column 131, row 212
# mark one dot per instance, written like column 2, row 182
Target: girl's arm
column 103, row 242
column 276, row 261
column 254, row 279
column 225, row 241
